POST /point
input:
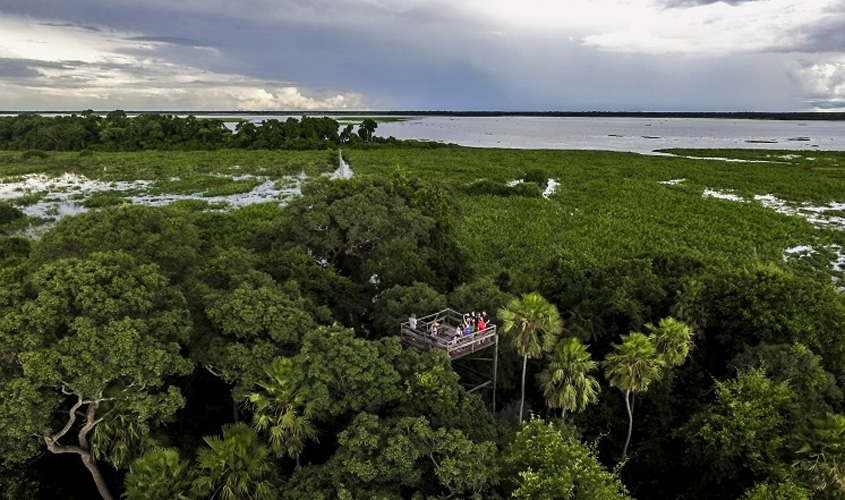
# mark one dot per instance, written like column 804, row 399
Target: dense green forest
column 671, row 346
column 116, row 131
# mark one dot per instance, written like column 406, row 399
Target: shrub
column 537, row 176
column 33, row 153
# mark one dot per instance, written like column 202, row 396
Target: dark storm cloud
column 423, row 55
column 828, row 36
column 174, row 40
column 12, row 69
column 23, row 69
column 92, row 29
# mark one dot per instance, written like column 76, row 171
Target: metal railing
column 445, row 336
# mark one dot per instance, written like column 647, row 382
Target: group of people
column 471, row 322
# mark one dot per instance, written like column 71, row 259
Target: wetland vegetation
column 204, row 347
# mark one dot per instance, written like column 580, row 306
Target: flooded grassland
column 718, row 206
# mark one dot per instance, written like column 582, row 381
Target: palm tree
column 672, row 339
column 821, row 452
column 566, row 381
column 159, row 474
column 533, row 324
column 282, row 410
column 237, row 467
column 632, row 367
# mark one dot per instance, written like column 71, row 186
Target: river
column 640, row 135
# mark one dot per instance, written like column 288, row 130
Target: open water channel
column 639, row 135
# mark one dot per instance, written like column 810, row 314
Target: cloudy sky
column 627, row 55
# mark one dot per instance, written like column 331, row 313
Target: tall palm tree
column 672, row 339
column 533, row 324
column 237, row 467
column 631, row 368
column 282, row 410
column 566, row 381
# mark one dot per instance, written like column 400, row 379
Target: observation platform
column 446, row 336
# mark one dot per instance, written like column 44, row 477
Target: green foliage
column 537, row 176
column 743, row 435
column 601, row 300
column 237, row 467
column 26, row 409
column 328, row 294
column 255, row 319
column 257, row 281
column 672, row 340
column 492, row 188
column 766, row 304
column 119, row 132
column 797, row 366
column 121, row 438
column 384, row 456
column 545, row 462
column 771, row 490
column 151, row 235
column 632, row 367
column 159, row 474
column 532, row 323
column 17, row 482
column 281, row 409
column 821, row 452
column 342, row 374
column 482, row 294
column 593, row 211
column 566, row 381
column 431, row 389
column 33, row 154
column 13, row 248
column 527, row 190
column 397, row 228
column 396, row 304
column 8, row 214
column 99, row 336
column 101, row 320
column 634, row 364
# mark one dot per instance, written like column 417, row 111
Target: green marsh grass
column 610, row 205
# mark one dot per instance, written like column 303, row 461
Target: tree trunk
column 522, row 399
column 630, row 423
column 83, row 450
column 91, row 465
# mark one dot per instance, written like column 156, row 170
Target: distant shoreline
column 733, row 115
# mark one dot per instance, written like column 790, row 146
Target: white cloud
column 650, row 26
column 435, row 54
column 823, row 77
column 85, row 67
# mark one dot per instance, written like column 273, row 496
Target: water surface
column 639, row 135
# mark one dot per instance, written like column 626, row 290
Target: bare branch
column 212, row 371
column 58, row 449
column 70, row 421
column 90, row 422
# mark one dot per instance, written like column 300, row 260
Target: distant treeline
column 116, row 131
column 735, row 115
